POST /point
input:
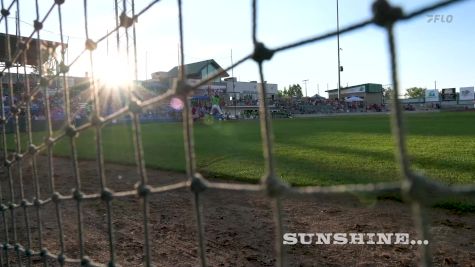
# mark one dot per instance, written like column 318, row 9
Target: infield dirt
column 239, row 227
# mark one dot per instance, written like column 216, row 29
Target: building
column 242, row 97
column 241, row 90
column 370, row 93
column 237, row 96
column 194, row 72
column 202, row 70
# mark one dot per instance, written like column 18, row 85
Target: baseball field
column 239, row 226
column 309, row 151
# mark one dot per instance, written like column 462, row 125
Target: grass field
column 310, row 151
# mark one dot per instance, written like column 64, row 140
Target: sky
column 429, row 54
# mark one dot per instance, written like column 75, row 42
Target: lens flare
column 176, row 103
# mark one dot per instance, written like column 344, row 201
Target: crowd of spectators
column 81, row 107
column 202, row 106
column 324, row 106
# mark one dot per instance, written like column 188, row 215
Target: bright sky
column 427, row 52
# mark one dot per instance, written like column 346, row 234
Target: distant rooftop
column 194, row 69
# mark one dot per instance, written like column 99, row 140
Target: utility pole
column 146, row 65
column 338, row 44
column 305, row 82
column 234, row 93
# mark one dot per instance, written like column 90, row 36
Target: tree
column 295, row 90
column 415, row 92
column 388, row 93
column 282, row 93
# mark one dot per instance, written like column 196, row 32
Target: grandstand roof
column 32, row 53
column 194, row 69
column 317, row 96
column 368, row 88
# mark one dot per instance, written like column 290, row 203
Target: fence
column 420, row 190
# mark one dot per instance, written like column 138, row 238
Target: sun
column 114, row 72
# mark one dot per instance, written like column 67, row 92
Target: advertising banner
column 449, row 94
column 466, row 93
column 357, row 89
column 432, row 95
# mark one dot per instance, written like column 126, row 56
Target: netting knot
column 26, row 98
column 135, row 107
column 15, row 110
column 275, row 187
column 37, row 202
column 8, row 64
column 32, row 149
column 22, row 45
column 91, row 45
column 85, row 261
column 63, row 68
column 61, row 259
column 56, row 197
column 43, row 252
column 28, row 253
column 18, row 156
column 126, row 21
column 49, row 141
column 261, row 53
column 107, row 195
column 182, row 88
column 419, row 189
column 7, row 163
column 143, row 190
column 11, row 206
column 71, row 131
column 59, row 2
column 44, row 82
column 38, row 25
column 97, row 120
column 78, row 195
column 384, row 14
column 5, row 12
column 5, row 246
column 17, row 247
column 198, row 183
column 111, row 264
column 24, row 203
column 3, row 208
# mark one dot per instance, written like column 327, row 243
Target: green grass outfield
column 309, row 151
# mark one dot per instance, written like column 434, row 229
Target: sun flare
column 114, row 72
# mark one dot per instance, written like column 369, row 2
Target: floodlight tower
column 305, row 82
column 338, row 44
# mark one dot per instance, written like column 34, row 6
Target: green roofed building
column 195, row 71
column 370, row 93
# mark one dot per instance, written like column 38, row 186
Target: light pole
column 305, row 82
column 338, row 44
column 234, row 86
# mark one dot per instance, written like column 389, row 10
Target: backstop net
column 30, row 65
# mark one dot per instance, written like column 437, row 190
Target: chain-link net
column 421, row 191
